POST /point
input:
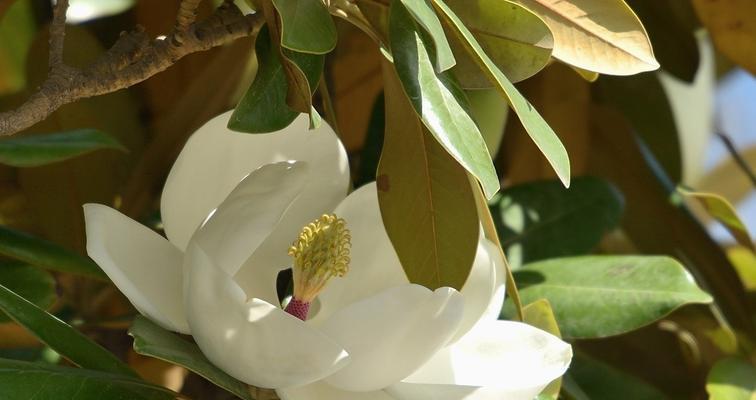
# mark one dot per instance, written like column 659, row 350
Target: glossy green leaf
column 598, row 380
column 371, row 151
column 599, row 296
column 643, row 101
column 264, row 107
column 427, row 18
column 543, row 136
column 22, row 380
column 31, row 283
column 306, row 26
column 61, row 337
column 37, row 150
column 542, row 219
column 515, row 39
column 44, row 254
column 437, row 101
column 426, row 198
column 732, row 379
column 721, row 209
column 303, row 73
column 154, row 341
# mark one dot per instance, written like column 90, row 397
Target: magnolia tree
column 352, row 200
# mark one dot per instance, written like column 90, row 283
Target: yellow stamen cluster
column 320, row 252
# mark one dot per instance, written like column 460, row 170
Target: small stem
column 58, row 34
column 737, row 157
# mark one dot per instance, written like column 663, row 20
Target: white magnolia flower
column 233, row 205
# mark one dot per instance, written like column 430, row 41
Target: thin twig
column 134, row 58
column 737, row 157
column 58, row 34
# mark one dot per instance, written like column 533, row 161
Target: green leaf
column 598, row 380
column 306, row 26
column 643, row 101
column 423, row 13
column 44, row 254
column 721, row 209
column 264, row 107
column 515, row 39
column 426, row 198
column 600, row 296
column 732, row 379
column 154, row 341
column 303, row 73
column 371, row 151
column 22, row 380
column 542, row 220
column 437, row 101
column 31, row 283
column 543, row 136
column 61, row 337
column 37, row 150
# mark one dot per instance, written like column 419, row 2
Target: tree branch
column 187, row 14
column 132, row 59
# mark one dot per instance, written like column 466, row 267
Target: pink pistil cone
column 298, row 308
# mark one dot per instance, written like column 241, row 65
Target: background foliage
column 444, row 101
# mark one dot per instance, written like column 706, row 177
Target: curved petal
column 246, row 218
column 142, row 264
column 323, row 391
column 374, row 264
column 390, row 335
column 215, row 159
column 495, row 360
column 484, row 289
column 253, row 341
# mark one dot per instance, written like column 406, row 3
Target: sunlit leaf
column 721, row 209
column 61, row 337
column 437, row 100
column 732, row 25
column 36, row 150
column 732, row 379
column 542, row 220
column 33, row 284
column 426, row 17
column 587, row 292
column 426, row 198
column 154, row 341
column 517, row 41
column 598, row 380
column 22, row 380
column 543, row 136
column 540, row 314
column 604, row 36
column 44, row 254
column 306, row 26
column 264, row 108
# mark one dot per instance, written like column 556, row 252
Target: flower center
column 320, row 252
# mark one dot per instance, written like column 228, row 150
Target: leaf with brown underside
column 732, row 25
column 426, row 199
column 604, row 36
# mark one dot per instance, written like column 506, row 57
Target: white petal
column 253, row 341
column 484, row 289
column 390, row 335
column 246, row 218
column 374, row 264
column 323, row 391
column 142, row 264
column 496, row 360
column 216, row 159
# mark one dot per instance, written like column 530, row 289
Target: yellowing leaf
column 603, row 36
column 732, row 24
column 719, row 208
